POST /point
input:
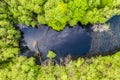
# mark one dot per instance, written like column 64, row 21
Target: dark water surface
column 76, row 41
column 107, row 40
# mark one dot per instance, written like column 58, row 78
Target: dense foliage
column 99, row 68
column 8, row 40
column 58, row 13
column 55, row 13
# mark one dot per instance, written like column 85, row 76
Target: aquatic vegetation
column 51, row 54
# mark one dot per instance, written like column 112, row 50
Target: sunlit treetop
column 58, row 13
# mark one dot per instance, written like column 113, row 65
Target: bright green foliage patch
column 20, row 68
column 58, row 13
column 99, row 68
column 8, row 40
column 51, row 54
column 8, row 34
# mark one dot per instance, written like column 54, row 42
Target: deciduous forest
column 56, row 14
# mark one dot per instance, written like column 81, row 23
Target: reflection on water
column 74, row 41
column 107, row 40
